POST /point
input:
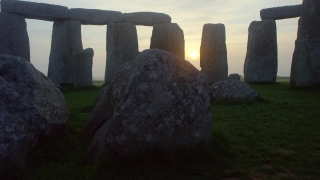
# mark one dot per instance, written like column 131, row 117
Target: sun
column 193, row 55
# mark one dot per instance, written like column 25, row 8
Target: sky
column 190, row 15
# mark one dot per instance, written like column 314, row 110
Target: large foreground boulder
column 213, row 53
column 305, row 67
column 232, row 90
column 261, row 64
column 32, row 109
column 157, row 99
column 14, row 39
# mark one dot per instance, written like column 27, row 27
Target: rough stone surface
column 32, row 10
column 66, row 43
column 101, row 93
column 155, row 99
column 14, row 39
column 232, row 90
column 83, row 68
column 305, row 67
column 213, row 53
column 283, row 12
column 234, row 77
column 32, row 109
column 146, row 18
column 261, row 64
column 168, row 37
column 95, row 16
column 122, row 46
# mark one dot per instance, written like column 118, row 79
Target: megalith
column 33, row 10
column 83, row 68
column 168, row 37
column 65, row 44
column 157, row 99
column 32, row 109
column 122, row 46
column 283, row 12
column 234, row 76
column 305, row 67
column 146, row 18
column 213, row 53
column 14, row 39
column 261, row 63
column 95, row 16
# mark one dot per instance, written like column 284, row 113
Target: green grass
column 276, row 137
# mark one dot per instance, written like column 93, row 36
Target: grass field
column 276, row 137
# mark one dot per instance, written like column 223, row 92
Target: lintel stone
column 95, row 16
column 283, row 12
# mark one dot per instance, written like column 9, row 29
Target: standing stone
column 33, row 10
column 168, row 37
column 234, row 77
column 32, row 109
column 261, row 64
column 157, row 99
column 305, row 67
column 83, row 68
column 146, row 18
column 14, row 39
column 122, row 46
column 213, row 53
column 66, row 43
column 283, row 12
column 95, row 16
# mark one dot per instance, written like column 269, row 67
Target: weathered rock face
column 32, row 109
column 155, row 99
column 261, row 64
column 305, row 67
column 83, row 68
column 168, row 37
column 232, row 90
column 34, row 10
column 95, row 16
column 122, row 46
column 283, row 12
column 234, row 77
column 14, row 39
column 146, row 18
column 65, row 44
column 213, row 53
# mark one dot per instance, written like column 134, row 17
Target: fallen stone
column 65, row 44
column 232, row 90
column 33, row 10
column 305, row 67
column 234, row 77
column 14, row 39
column 83, row 68
column 261, row 64
column 122, row 46
column 168, row 37
column 283, row 12
column 32, row 109
column 146, row 18
column 157, row 99
column 213, row 53
column 95, row 16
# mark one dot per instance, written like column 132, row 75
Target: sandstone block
column 283, row 12
column 83, row 68
column 261, row 64
column 65, row 44
column 33, row 10
column 14, row 39
column 95, row 16
column 213, row 53
column 122, row 46
column 146, row 18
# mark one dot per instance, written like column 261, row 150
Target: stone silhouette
column 83, row 68
column 14, row 39
column 305, row 68
column 261, row 64
column 283, row 12
column 213, row 53
column 157, row 99
column 168, row 37
column 146, row 18
column 234, row 77
column 122, row 46
column 95, row 16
